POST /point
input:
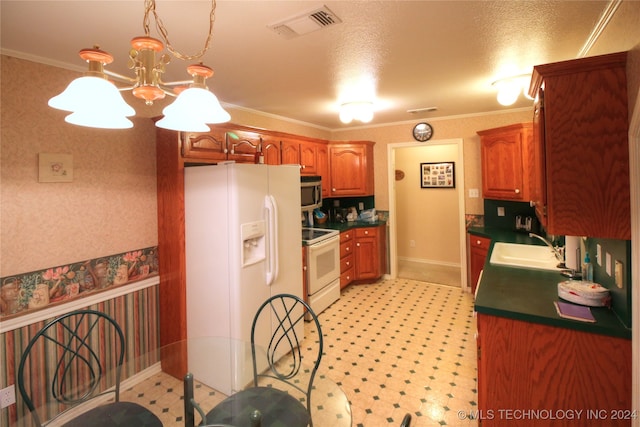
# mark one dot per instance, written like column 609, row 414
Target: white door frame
column 459, row 179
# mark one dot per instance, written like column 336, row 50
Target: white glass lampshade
column 508, row 91
column 94, row 102
column 98, row 119
column 362, row 111
column 190, row 112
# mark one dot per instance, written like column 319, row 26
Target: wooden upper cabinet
column 242, row 146
column 322, row 168
column 582, row 147
column 290, row 152
column 351, row 169
column 308, row 158
column 271, row 149
column 204, row 146
column 505, row 162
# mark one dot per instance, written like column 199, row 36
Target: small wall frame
column 55, row 167
column 438, row 175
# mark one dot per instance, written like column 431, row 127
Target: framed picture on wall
column 438, row 175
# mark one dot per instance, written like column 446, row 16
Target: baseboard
column 430, row 262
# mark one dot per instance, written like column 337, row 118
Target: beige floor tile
column 394, row 347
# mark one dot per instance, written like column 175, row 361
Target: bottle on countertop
column 259, row 156
column 587, row 269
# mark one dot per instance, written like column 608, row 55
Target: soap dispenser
column 587, row 269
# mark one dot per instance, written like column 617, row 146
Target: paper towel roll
column 571, row 252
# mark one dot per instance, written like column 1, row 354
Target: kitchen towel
column 572, row 252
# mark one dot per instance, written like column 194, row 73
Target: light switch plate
column 474, row 193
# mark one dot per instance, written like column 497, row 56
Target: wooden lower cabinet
column 347, row 271
column 478, row 250
column 363, row 254
column 539, row 375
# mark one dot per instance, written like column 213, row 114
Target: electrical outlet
column 360, row 206
column 500, row 211
column 8, row 396
column 474, row 193
column 619, row 275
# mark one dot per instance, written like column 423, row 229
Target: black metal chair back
column 72, row 359
column 284, row 356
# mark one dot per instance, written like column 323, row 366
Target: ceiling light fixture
column 94, row 101
column 361, row 111
column 509, row 88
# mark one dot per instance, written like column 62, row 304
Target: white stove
column 311, row 236
column 322, row 267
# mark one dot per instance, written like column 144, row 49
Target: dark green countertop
column 343, row 226
column 528, row 295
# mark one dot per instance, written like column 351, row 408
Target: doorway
column 426, row 222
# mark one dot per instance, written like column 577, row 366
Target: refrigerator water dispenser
column 253, row 242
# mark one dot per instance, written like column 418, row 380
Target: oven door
column 323, row 263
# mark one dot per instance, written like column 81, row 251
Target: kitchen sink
column 533, row 257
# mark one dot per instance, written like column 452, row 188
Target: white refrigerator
column 243, row 244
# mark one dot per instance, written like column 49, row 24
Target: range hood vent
column 305, row 23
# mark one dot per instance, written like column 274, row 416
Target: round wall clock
column 422, row 132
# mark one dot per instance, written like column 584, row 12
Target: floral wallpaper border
column 38, row 289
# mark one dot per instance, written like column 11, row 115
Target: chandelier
column 94, row 101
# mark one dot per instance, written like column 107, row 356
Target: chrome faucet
column 556, row 251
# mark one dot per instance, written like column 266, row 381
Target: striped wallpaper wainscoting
column 136, row 313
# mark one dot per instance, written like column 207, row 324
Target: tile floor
column 427, row 272
column 394, row 347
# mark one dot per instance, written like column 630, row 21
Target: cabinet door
column 210, row 146
column 290, row 152
column 367, row 257
column 538, row 168
column 308, row 160
column 322, row 167
column 351, row 170
column 478, row 250
column 586, row 146
column 243, row 146
column 505, row 172
column 271, row 150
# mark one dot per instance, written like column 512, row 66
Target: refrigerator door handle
column 272, row 238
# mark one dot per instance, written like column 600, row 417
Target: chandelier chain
column 150, row 9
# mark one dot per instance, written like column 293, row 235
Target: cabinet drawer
column 366, row 232
column 346, row 277
column 479, row 242
column 346, row 248
column 346, row 263
column 346, row 236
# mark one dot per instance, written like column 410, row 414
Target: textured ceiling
column 409, row 54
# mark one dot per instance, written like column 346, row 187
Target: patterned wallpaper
column 24, row 293
column 137, row 315
column 108, row 208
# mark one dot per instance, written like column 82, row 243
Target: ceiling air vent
column 307, row 22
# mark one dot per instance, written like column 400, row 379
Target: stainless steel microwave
column 310, row 192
